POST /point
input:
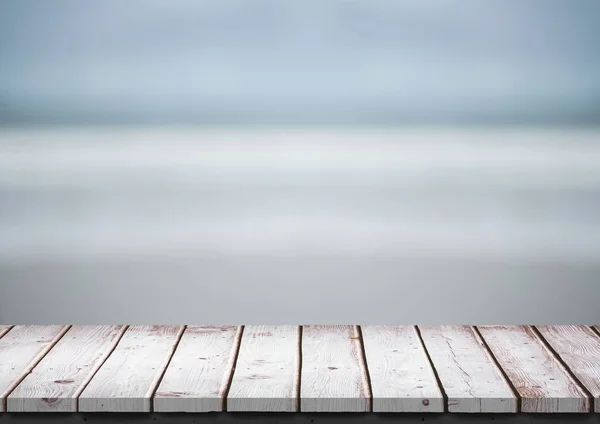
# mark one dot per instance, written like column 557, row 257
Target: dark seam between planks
column 164, row 371
column 237, row 343
column 299, row 369
column 366, row 373
column 491, row 355
column 78, row 393
column 6, row 331
column 435, row 373
column 566, row 368
column 34, row 363
column 596, row 332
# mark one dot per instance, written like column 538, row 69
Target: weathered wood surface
column 288, row 368
column 267, row 372
column 402, row 379
column 334, row 376
column 198, row 376
column 54, row 385
column 542, row 382
column 469, row 376
column 128, row 379
column 578, row 346
column 20, row 350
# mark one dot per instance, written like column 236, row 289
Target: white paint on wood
column 267, row 372
column 539, row 378
column 402, row 379
column 334, row 377
column 467, row 372
column 129, row 377
column 198, row 376
column 579, row 348
column 21, row 349
column 57, row 381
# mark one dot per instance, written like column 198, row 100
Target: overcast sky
column 300, row 62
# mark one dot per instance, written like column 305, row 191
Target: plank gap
column 199, row 371
column 5, row 329
column 563, row 364
column 236, row 347
column 366, row 367
column 595, row 329
column 299, row 368
column 32, row 365
column 164, row 371
column 579, row 348
column 542, row 382
column 435, row 373
column 79, row 391
column 481, row 340
column 333, row 373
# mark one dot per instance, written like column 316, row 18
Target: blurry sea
column 75, row 193
column 296, row 226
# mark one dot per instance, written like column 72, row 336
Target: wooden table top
column 288, row 368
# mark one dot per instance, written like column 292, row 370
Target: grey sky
column 279, row 61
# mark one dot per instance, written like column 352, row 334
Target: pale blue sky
column 300, row 62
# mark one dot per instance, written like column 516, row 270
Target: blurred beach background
column 267, row 161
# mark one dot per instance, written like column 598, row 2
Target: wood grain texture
column 267, row 372
column 579, row 348
column 20, row 350
column 57, row 381
column 198, row 376
column 334, row 376
column 467, row 372
column 129, row 377
column 402, row 379
column 4, row 329
column 536, row 374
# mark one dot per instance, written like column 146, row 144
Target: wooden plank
column 402, row 379
column 20, row 350
column 539, row 378
column 472, row 381
column 56, row 382
column 4, row 329
column 334, row 375
column 579, row 348
column 129, row 377
column 198, row 376
column 267, row 373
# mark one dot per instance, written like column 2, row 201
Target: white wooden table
column 308, row 369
